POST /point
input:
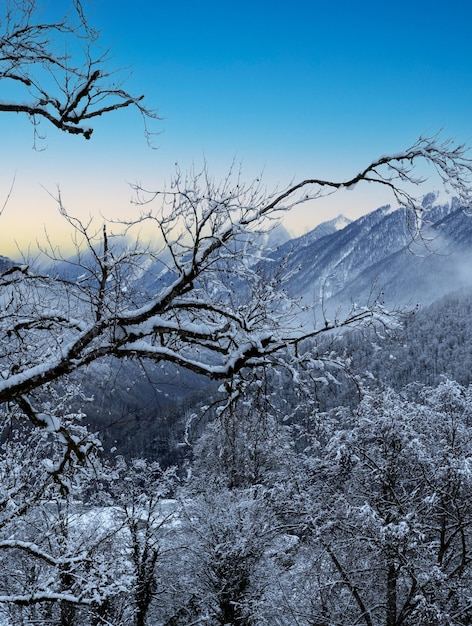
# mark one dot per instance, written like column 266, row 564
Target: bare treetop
column 59, row 69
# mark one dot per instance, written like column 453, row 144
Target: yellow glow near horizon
column 94, row 182
column 31, row 215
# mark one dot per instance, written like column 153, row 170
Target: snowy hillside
column 376, row 254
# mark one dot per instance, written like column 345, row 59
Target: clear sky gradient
column 293, row 89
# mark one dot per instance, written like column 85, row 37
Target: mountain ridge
column 379, row 250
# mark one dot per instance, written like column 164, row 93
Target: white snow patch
column 341, row 222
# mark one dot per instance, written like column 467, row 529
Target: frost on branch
column 53, row 549
column 398, row 173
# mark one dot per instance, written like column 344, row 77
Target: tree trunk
column 392, row 576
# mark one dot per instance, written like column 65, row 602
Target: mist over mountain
column 342, row 261
column 378, row 256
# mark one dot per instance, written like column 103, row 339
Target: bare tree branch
column 67, row 89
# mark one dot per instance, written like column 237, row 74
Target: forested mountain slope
column 435, row 341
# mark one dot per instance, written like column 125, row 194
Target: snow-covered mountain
column 322, row 230
column 376, row 254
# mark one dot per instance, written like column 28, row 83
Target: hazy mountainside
column 376, row 254
column 322, row 230
column 343, row 261
column 329, row 263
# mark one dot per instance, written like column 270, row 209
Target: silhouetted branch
column 65, row 89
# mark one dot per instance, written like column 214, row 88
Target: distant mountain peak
column 5, row 263
column 322, row 230
column 441, row 198
column 340, row 222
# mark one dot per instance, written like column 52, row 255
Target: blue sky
column 293, row 89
